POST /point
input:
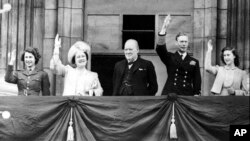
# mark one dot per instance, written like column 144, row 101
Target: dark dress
column 29, row 84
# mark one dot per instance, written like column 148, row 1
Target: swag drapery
column 121, row 118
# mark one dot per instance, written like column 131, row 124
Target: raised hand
column 167, row 20
column 58, row 41
column 12, row 57
column 165, row 24
column 209, row 45
column 57, row 46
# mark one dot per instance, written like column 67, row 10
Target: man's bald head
column 132, row 42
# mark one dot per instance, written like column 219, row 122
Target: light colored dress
column 77, row 82
column 227, row 78
column 246, row 83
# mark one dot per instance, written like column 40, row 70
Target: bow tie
column 130, row 63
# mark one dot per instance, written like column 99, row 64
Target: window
column 140, row 28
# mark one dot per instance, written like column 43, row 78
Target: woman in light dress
column 229, row 78
column 78, row 81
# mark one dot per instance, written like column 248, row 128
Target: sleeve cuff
column 10, row 68
column 161, row 39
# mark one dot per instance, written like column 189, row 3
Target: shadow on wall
column 7, row 89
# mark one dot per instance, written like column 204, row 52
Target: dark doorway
column 104, row 66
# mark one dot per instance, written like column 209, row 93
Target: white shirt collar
column 183, row 55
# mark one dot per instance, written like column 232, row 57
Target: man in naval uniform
column 184, row 76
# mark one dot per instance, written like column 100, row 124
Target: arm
column 245, row 83
column 45, row 84
column 235, row 92
column 197, row 79
column 114, row 80
column 97, row 87
column 161, row 47
column 244, row 91
column 208, row 65
column 55, row 62
column 11, row 76
column 153, row 86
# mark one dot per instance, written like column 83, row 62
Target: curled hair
column 180, row 34
column 34, row 52
column 74, row 57
column 236, row 59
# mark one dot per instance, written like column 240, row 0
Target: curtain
column 121, row 118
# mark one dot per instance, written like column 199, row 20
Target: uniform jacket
column 143, row 77
column 184, row 76
column 29, row 84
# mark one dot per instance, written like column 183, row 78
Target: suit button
column 185, row 76
column 177, row 70
column 174, row 83
column 184, row 85
column 186, row 72
column 28, row 77
column 176, row 74
column 184, row 80
column 28, row 82
column 28, row 88
column 175, row 79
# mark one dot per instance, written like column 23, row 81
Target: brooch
column 141, row 69
column 192, row 63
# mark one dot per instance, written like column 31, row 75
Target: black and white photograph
column 124, row 70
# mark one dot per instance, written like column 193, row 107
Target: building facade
column 106, row 24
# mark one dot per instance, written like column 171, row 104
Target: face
column 80, row 59
column 182, row 42
column 131, row 50
column 228, row 57
column 29, row 59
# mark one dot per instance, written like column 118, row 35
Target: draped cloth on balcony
column 121, row 118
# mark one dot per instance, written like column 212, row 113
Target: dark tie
column 181, row 55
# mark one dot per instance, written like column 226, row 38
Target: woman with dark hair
column 229, row 77
column 31, row 80
column 78, row 81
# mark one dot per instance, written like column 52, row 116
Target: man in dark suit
column 134, row 76
column 184, row 76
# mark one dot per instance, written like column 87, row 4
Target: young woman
column 229, row 77
column 31, row 80
column 78, row 81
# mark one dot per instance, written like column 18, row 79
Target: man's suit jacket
column 184, row 76
column 143, row 77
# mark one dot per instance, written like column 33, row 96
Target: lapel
column 123, row 67
column 177, row 58
column 136, row 64
column 186, row 62
column 187, row 58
